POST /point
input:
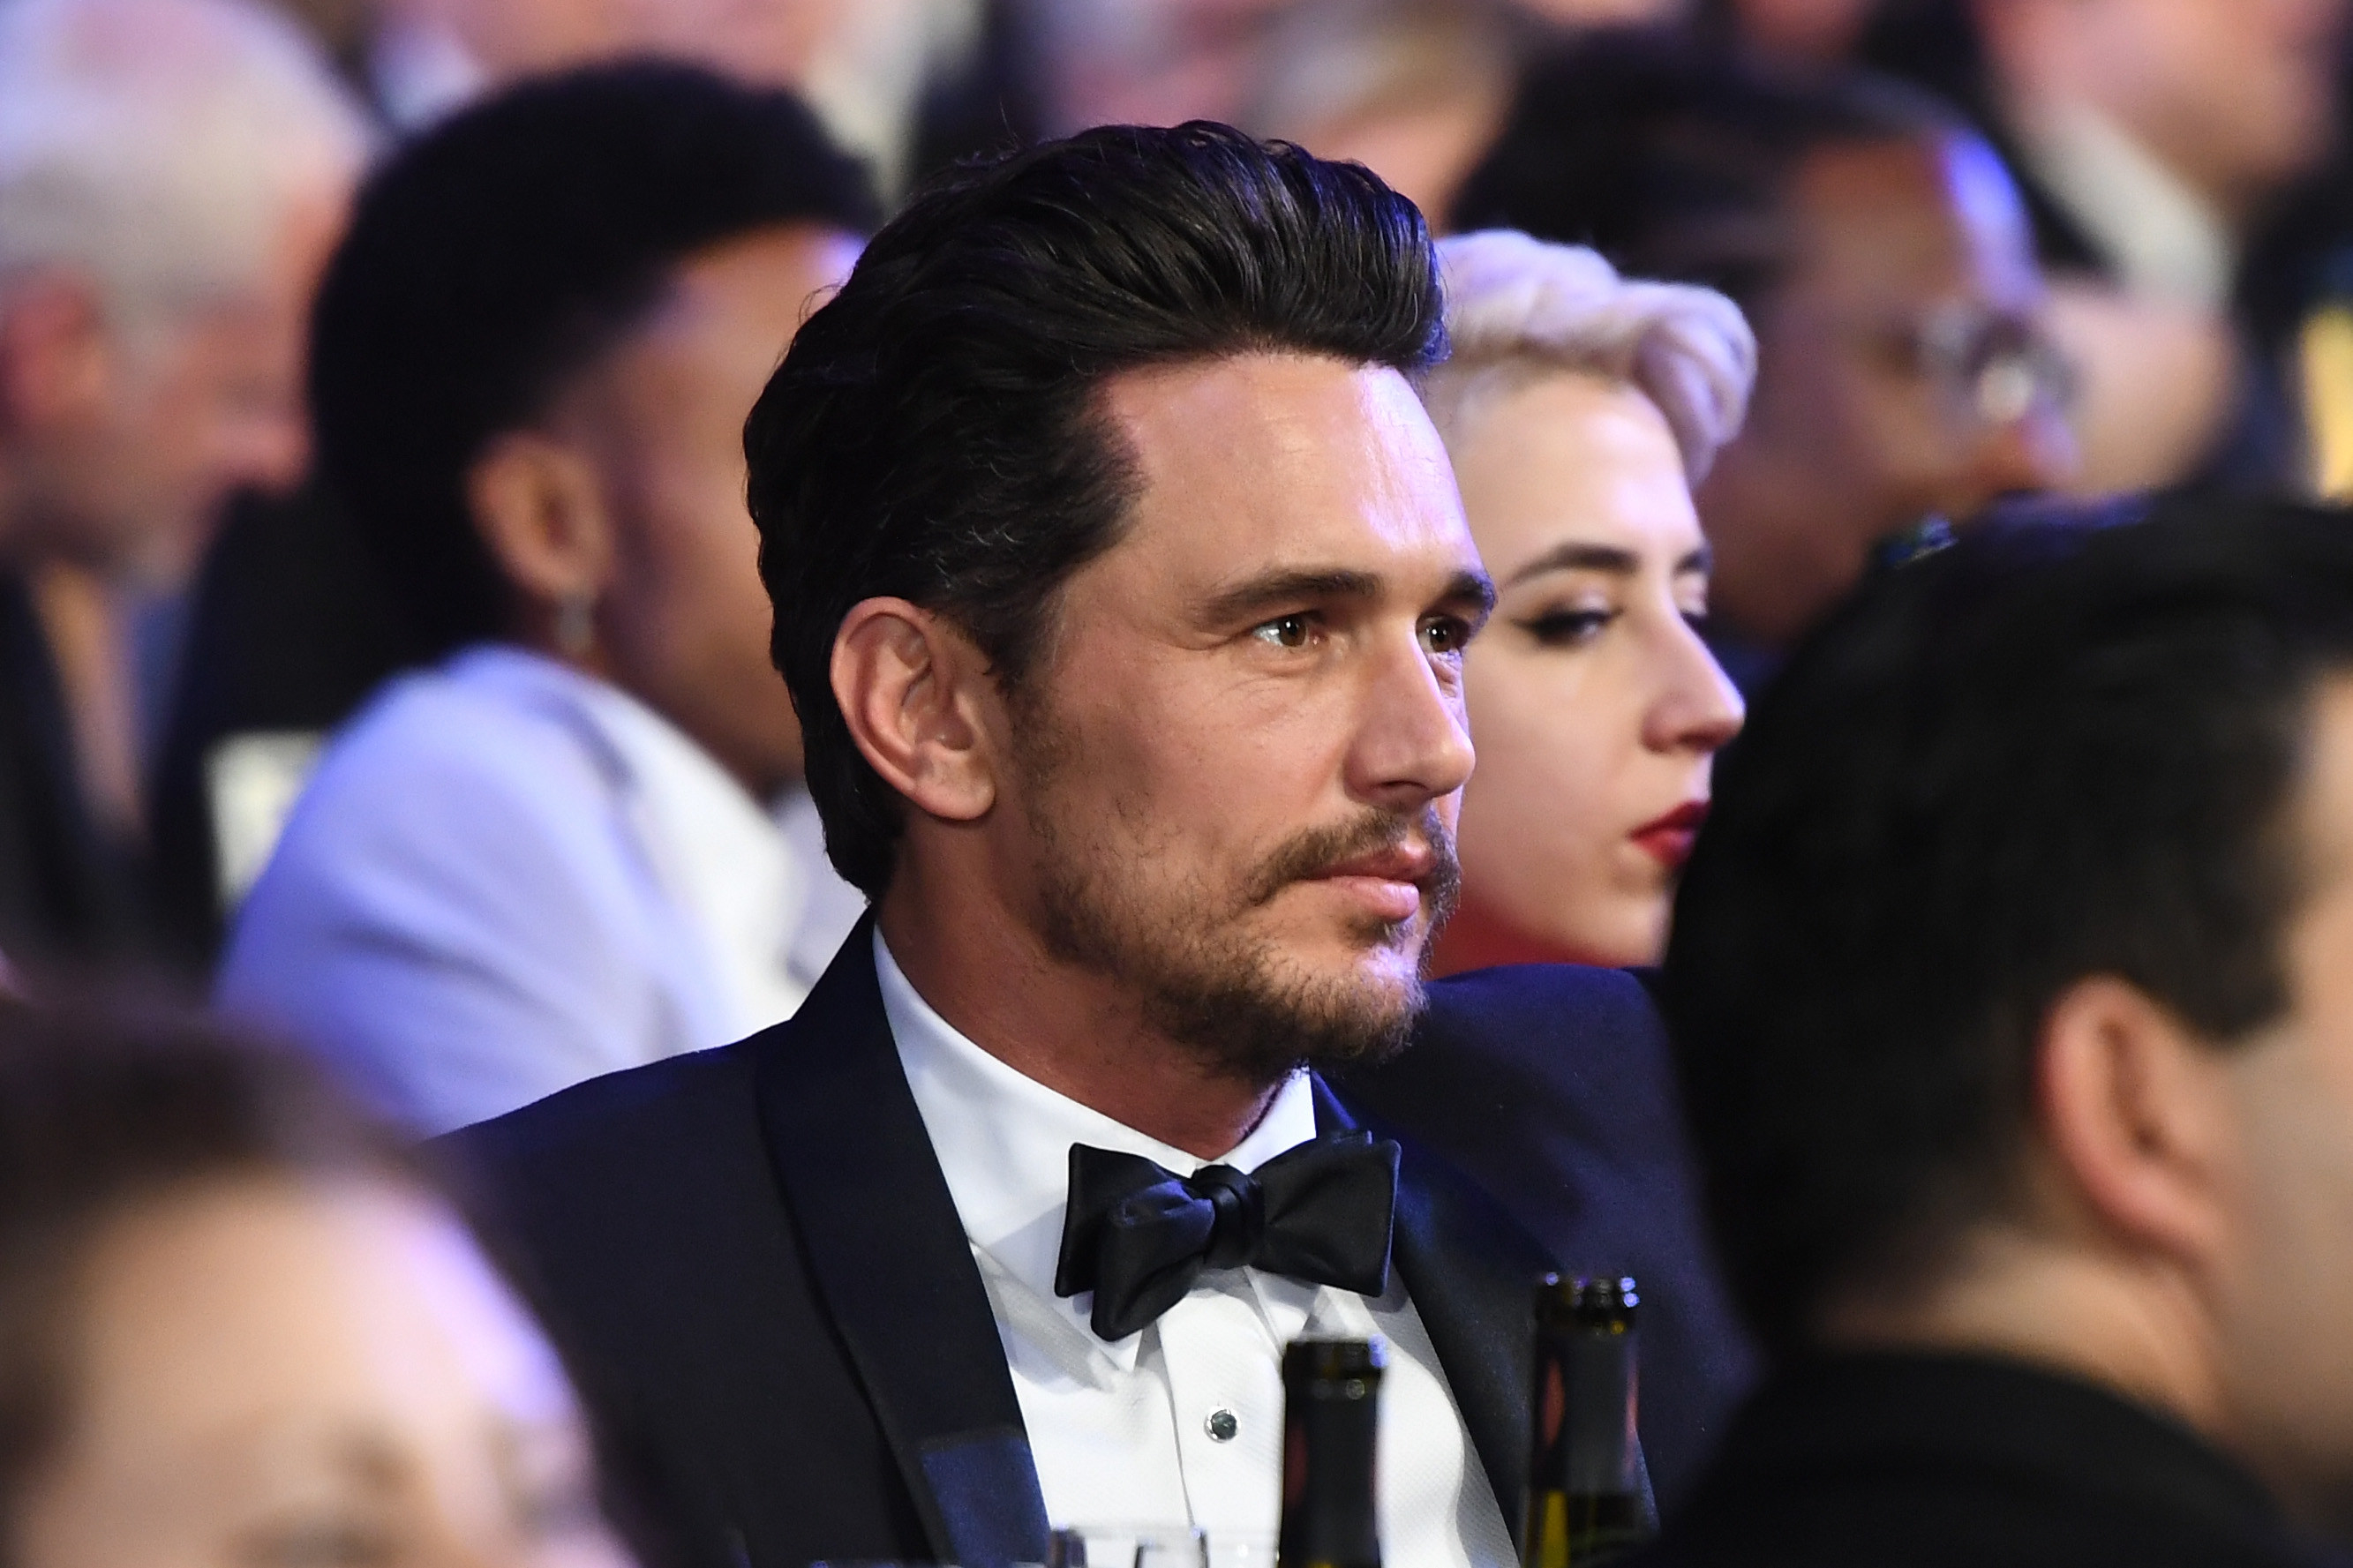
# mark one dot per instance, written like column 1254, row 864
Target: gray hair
column 1517, row 307
column 154, row 147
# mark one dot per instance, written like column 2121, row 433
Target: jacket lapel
column 1472, row 1273
column 891, row 1261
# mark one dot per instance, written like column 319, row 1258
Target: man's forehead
column 1281, row 461
column 1931, row 214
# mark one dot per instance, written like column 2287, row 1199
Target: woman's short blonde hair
column 1517, row 307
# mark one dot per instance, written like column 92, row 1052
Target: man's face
column 2238, row 95
column 684, row 619
column 152, row 423
column 1237, row 764
column 2286, row 1289
column 1896, row 377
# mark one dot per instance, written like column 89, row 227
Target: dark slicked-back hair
column 934, row 433
column 503, row 253
column 1674, row 157
column 2048, row 753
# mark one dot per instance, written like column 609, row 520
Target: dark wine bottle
column 1586, row 1500
column 1331, row 1417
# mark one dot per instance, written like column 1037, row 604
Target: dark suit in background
column 71, row 901
column 289, row 629
column 1924, row 1461
column 1552, row 1087
column 750, row 1258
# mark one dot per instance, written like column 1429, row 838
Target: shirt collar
column 1003, row 1141
column 2162, row 236
column 723, row 859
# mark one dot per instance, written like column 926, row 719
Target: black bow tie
column 1138, row 1235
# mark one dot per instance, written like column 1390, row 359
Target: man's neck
column 2129, row 1325
column 983, row 969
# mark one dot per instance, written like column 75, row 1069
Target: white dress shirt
column 506, row 877
column 2160, row 236
column 1121, row 1432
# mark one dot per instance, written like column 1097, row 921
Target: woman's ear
column 540, row 507
column 914, row 690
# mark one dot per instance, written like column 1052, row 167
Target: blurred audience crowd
column 385, row 660
column 1987, row 248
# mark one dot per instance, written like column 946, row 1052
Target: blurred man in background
column 2009, row 987
column 1881, row 254
column 578, row 842
column 2154, row 139
column 172, row 173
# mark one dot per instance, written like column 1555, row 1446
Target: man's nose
column 1413, row 742
column 2034, row 452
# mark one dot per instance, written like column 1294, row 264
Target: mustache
column 1316, row 851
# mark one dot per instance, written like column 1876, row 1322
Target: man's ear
column 540, row 506
column 2135, row 1108
column 56, row 358
column 916, row 694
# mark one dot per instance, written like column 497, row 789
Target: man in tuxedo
column 1121, row 586
column 2011, row 991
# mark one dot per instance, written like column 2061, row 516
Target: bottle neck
column 1330, row 1516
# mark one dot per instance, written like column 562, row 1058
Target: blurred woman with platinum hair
column 1580, row 409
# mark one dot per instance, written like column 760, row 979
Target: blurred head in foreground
column 1878, row 248
column 1579, row 408
column 2009, row 976
column 236, row 1327
column 172, row 173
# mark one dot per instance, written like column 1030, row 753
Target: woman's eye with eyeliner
column 1566, row 628
column 1285, row 631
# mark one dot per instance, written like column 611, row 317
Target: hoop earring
column 575, row 625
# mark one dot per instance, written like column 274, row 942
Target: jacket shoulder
column 614, row 1119
column 1547, row 1004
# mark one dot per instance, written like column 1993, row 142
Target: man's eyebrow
column 1286, row 591
column 1471, row 591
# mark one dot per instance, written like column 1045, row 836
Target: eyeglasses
column 1996, row 368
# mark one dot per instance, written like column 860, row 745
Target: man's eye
column 1445, row 634
column 1285, row 631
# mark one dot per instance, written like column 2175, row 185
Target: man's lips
column 1669, row 838
column 1388, row 881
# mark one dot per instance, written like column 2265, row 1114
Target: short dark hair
column 934, row 432
column 2046, row 752
column 499, row 256
column 103, row 1115
column 1674, row 157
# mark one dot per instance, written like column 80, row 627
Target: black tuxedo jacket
column 750, row 1259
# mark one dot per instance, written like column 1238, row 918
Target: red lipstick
column 1669, row 840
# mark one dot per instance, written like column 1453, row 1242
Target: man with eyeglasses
column 1881, row 252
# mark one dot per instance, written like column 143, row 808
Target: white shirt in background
column 1121, row 1432
column 2160, row 235
column 507, row 876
